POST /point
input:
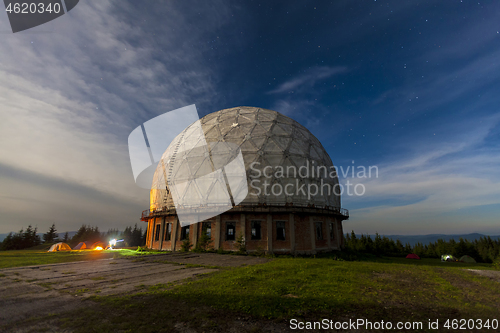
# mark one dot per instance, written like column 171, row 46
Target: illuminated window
column 168, row 231
column 157, row 233
column 280, row 230
column 207, row 227
column 185, row 233
column 256, row 230
column 319, row 230
column 230, row 230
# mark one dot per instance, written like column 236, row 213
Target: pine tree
column 51, row 235
column 30, row 238
column 86, row 233
column 137, row 236
column 127, row 236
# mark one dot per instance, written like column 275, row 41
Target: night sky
column 411, row 87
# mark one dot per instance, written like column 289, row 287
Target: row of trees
column 484, row 249
column 29, row 237
column 21, row 240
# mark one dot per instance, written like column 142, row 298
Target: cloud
column 308, row 79
column 71, row 97
column 314, row 115
column 40, row 200
column 292, row 108
column 434, row 189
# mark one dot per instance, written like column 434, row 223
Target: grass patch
column 47, row 285
column 138, row 260
column 156, row 287
column 205, row 266
column 98, row 278
column 303, row 288
column 79, row 292
column 19, row 258
column 185, row 265
column 30, row 257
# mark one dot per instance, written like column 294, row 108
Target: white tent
column 59, row 247
column 448, row 257
column 81, row 246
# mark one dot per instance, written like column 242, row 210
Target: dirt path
column 38, row 291
column 494, row 275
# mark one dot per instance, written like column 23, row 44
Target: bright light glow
column 112, row 242
column 98, row 248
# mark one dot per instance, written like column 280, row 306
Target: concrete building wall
column 256, row 244
column 301, row 236
column 302, row 233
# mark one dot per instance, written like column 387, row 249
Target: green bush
column 203, row 243
column 186, row 245
column 240, row 243
column 141, row 249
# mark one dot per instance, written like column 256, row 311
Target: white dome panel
column 259, row 135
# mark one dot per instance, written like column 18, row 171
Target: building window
column 332, row 233
column 230, row 230
column 168, row 231
column 280, row 230
column 185, row 233
column 207, row 227
column 319, row 230
column 256, row 230
column 157, row 233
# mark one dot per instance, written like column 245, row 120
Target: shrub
column 203, row 243
column 240, row 243
column 141, row 249
column 186, row 245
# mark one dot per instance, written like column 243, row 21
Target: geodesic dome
column 263, row 138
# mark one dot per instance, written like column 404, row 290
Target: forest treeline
column 26, row 238
column 484, row 249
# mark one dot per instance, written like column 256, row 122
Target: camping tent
column 80, row 246
column 59, row 247
column 467, row 258
column 412, row 256
column 96, row 244
column 448, row 257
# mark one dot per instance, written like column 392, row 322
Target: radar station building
column 290, row 202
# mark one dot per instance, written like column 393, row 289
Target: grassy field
column 309, row 289
column 304, row 288
column 20, row 258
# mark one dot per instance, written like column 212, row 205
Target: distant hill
column 61, row 235
column 426, row 239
